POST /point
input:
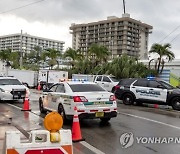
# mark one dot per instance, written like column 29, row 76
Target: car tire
column 175, row 102
column 105, row 120
column 44, row 87
column 128, row 99
column 41, row 107
column 62, row 112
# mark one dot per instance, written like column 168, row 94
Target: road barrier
column 39, row 143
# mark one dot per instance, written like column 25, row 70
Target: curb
column 156, row 106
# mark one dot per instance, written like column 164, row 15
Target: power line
column 21, row 7
column 169, row 33
column 175, row 38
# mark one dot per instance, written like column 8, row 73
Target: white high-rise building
column 119, row 35
column 28, row 42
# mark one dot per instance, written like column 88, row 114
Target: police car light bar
column 62, row 80
column 151, row 78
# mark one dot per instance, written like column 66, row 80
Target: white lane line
column 14, row 106
column 87, row 145
column 155, row 121
column 32, row 113
column 90, row 147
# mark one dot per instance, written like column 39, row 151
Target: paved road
column 104, row 138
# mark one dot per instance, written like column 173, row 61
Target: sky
column 52, row 18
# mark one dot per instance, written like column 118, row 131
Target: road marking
column 92, row 148
column 87, row 145
column 14, row 106
column 35, row 114
column 155, row 121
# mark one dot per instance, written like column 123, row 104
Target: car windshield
column 86, row 88
column 10, row 82
column 114, row 79
column 166, row 85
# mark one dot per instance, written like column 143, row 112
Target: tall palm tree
column 98, row 53
column 75, row 55
column 5, row 55
column 53, row 56
column 162, row 51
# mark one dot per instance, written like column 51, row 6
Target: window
column 99, row 78
column 60, row 88
column 10, row 82
column 86, row 88
column 153, row 84
column 166, row 85
column 53, row 88
column 106, row 79
column 141, row 83
column 114, row 79
column 126, row 82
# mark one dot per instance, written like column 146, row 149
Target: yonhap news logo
column 127, row 140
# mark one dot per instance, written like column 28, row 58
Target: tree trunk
column 159, row 63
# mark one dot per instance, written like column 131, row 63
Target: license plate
column 99, row 114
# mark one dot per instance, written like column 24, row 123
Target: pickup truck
column 105, row 81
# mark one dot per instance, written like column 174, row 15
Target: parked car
column 92, row 101
column 12, row 89
column 147, row 90
column 105, row 81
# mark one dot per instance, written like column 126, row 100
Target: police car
column 149, row 90
column 91, row 100
column 12, row 89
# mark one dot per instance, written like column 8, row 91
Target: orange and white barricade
column 40, row 142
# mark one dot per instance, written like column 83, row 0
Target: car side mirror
column 160, row 86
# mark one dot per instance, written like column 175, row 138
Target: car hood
column 176, row 91
column 10, row 87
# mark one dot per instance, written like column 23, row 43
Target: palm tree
column 5, row 55
column 53, row 56
column 98, row 53
column 75, row 55
column 162, row 51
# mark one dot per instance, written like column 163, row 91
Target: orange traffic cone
column 76, row 130
column 26, row 104
column 39, row 87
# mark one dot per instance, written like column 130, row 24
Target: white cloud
column 52, row 18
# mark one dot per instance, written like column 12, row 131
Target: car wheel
column 176, row 103
column 62, row 112
column 41, row 107
column 128, row 99
column 44, row 87
column 105, row 120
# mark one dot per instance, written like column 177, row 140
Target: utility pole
column 124, row 6
column 21, row 51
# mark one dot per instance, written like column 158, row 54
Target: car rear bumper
column 93, row 115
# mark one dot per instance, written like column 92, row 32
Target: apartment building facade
column 27, row 42
column 119, row 35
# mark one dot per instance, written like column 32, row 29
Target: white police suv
column 91, row 100
column 147, row 90
column 12, row 89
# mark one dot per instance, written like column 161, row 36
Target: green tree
column 53, row 56
column 162, row 51
column 98, row 54
column 75, row 55
column 5, row 55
